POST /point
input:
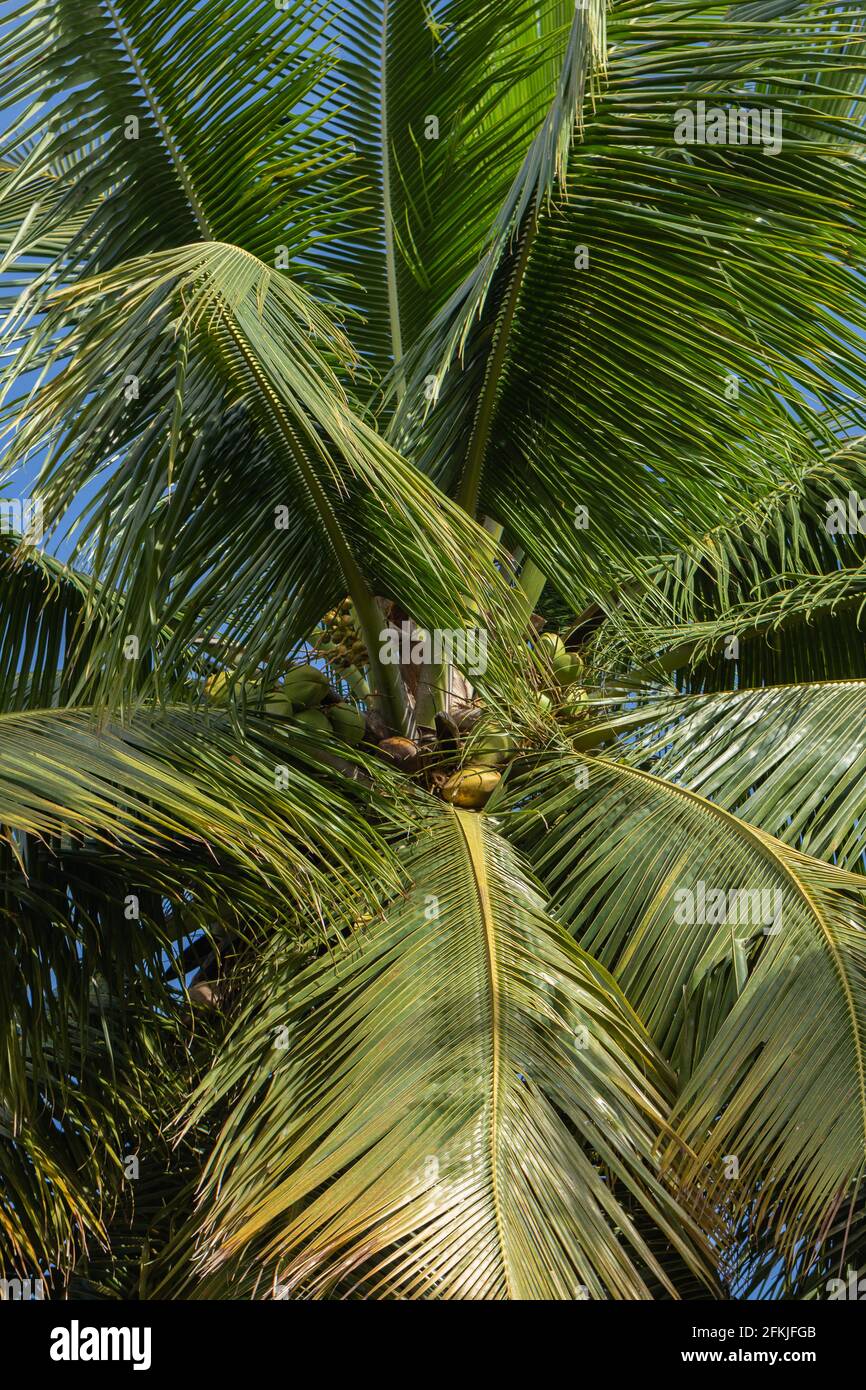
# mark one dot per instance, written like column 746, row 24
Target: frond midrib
column 469, row 824
column 180, row 169
column 387, row 209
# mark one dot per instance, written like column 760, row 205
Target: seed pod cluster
column 340, row 642
column 568, row 672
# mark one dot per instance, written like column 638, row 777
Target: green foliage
column 333, row 330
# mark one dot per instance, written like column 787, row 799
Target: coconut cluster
column 567, row 666
column 300, row 698
column 460, row 759
column 567, row 669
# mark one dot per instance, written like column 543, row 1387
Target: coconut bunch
column 472, row 786
column 567, row 670
column 463, row 758
column 484, row 751
column 305, row 697
column 483, row 747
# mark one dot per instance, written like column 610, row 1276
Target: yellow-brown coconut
column 471, row 787
column 401, row 751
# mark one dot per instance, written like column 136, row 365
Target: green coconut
column 278, row 703
column 348, row 723
column 305, row 685
column 567, row 668
column 493, row 747
column 551, row 644
column 315, row 720
column 577, row 703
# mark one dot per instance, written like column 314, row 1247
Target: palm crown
column 433, row 788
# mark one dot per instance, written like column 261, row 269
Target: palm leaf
column 785, row 580
column 231, row 355
column 442, row 103
column 121, row 846
column 43, row 610
column 659, row 885
column 720, row 231
column 788, row 759
column 372, row 1171
column 142, row 107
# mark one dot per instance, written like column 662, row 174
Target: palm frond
column 720, row 937
column 44, row 610
column 127, row 853
column 180, row 775
column 372, row 1171
column 227, row 355
column 755, row 251
column 141, row 107
column 785, row 580
column 788, row 759
column 447, row 107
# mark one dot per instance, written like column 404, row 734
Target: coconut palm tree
column 433, row 780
